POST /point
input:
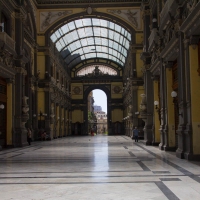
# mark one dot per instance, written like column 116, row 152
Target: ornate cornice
column 41, row 2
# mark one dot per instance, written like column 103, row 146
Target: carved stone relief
column 133, row 16
column 48, row 18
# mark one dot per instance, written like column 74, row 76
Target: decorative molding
column 48, row 18
column 117, row 89
column 77, row 90
column 133, row 16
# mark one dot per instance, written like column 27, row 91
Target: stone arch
column 104, row 88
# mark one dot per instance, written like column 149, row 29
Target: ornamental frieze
column 48, row 18
column 132, row 16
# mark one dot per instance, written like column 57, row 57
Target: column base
column 179, row 154
column 161, row 146
column 155, row 143
column 193, row 157
column 170, row 149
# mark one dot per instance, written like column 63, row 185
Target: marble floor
column 96, row 168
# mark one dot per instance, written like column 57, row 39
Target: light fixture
column 154, row 20
column 175, row 101
column 34, row 115
column 2, row 106
column 156, row 103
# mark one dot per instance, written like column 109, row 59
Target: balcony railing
column 153, row 37
column 7, row 40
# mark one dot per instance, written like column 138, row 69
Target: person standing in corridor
column 29, row 136
column 135, row 134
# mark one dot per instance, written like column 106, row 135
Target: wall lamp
column 175, row 101
column 156, row 103
column 2, row 106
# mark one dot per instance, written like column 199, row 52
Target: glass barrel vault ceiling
column 91, row 38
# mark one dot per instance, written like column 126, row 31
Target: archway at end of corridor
column 97, row 112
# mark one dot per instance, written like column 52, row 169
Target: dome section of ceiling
column 89, row 38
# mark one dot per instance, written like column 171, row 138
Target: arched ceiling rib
column 89, row 38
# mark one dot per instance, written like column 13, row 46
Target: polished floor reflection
column 96, row 168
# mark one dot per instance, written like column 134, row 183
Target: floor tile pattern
column 96, row 168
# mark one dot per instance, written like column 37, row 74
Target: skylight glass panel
column 116, row 37
column 75, row 35
column 53, row 38
column 98, row 48
column 105, row 49
column 84, row 42
column 112, row 25
column 105, row 41
column 90, row 41
column 79, row 23
column 71, row 26
column 96, row 22
column 103, row 22
column 104, row 32
column 69, row 37
column 85, row 36
column 65, row 39
column 88, row 32
column 110, row 51
column 72, row 47
column 65, row 29
column 111, row 34
column 87, row 22
column 59, row 46
column 57, row 34
column 97, row 31
column 117, row 28
column 111, row 43
column 78, row 44
column 98, row 41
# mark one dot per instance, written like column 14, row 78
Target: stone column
column 156, row 133
column 162, row 106
column 181, row 99
column 170, row 143
column 148, row 134
column 192, row 147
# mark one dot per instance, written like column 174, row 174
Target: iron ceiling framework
column 90, row 38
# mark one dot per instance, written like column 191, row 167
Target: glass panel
column 111, row 34
column 117, row 28
column 98, row 41
column 90, row 41
column 103, row 23
column 71, row 26
column 88, row 32
column 65, row 29
column 98, row 48
column 84, row 42
column 75, row 35
column 87, row 22
column 112, row 26
column 72, row 47
column 105, row 41
column 95, row 22
column 104, row 32
column 69, row 38
column 57, row 33
column 92, row 34
column 53, row 38
column 97, row 31
column 79, row 23
column 116, row 37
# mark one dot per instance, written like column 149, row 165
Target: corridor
column 96, row 168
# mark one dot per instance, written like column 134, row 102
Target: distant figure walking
column 29, row 136
column 135, row 134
